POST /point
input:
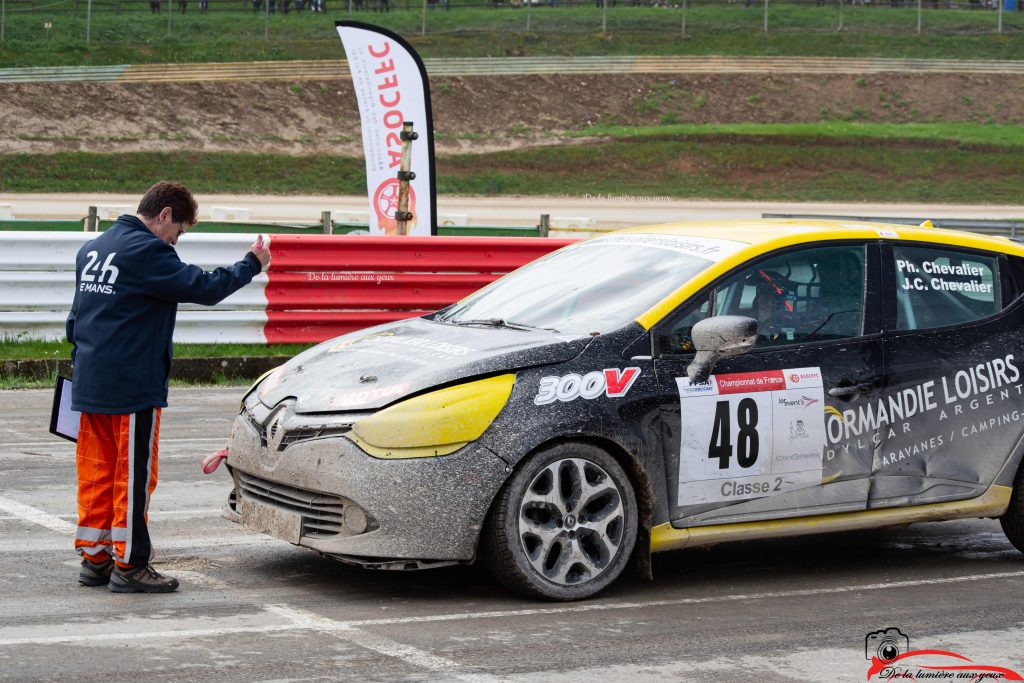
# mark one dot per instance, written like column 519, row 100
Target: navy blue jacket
column 128, row 284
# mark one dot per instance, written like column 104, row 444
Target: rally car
column 651, row 389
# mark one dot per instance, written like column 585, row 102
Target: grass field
column 48, row 383
column 943, row 163
column 230, row 33
column 59, row 350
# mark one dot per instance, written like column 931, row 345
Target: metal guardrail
column 1006, row 228
column 505, row 66
column 37, row 285
column 317, row 286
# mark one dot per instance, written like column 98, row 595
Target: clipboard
column 63, row 420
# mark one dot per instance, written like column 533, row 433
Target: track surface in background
column 255, row 609
column 609, row 212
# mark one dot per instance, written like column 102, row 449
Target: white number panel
column 750, row 435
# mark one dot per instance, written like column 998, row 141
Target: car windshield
column 595, row 286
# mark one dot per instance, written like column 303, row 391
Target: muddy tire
column 564, row 525
column 1013, row 519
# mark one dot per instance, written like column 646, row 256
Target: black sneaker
column 141, row 579
column 93, row 574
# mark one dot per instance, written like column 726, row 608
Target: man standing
column 128, row 284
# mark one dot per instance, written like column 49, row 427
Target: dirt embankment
column 472, row 114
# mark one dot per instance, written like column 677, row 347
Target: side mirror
column 719, row 337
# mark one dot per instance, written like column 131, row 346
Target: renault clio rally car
column 656, row 388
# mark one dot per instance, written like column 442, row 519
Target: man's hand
column 261, row 252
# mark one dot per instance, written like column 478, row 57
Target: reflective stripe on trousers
column 117, row 473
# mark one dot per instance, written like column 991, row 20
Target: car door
column 776, row 431
column 954, row 358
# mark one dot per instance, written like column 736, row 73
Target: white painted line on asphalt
column 376, row 643
column 195, row 512
column 145, row 635
column 36, row 516
column 598, row 607
column 153, row 514
column 43, row 545
column 52, row 443
column 498, row 614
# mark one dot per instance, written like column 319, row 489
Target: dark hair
column 175, row 195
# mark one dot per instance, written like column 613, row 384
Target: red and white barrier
column 322, row 286
column 317, row 286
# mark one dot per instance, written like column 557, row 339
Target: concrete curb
column 191, row 369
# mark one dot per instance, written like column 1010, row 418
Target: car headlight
column 437, row 423
column 255, row 384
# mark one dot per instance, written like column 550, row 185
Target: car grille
column 292, row 436
column 323, row 515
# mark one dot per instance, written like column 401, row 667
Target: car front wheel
column 564, row 525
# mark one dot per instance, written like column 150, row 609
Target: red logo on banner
column 385, row 203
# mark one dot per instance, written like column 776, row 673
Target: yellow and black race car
column 655, row 388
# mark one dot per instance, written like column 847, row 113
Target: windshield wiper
column 499, row 322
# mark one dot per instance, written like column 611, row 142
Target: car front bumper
column 328, row 495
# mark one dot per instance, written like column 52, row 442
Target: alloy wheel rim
column 571, row 521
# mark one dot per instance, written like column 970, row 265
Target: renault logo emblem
column 275, row 434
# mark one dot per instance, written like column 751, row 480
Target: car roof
column 765, row 235
column 794, row 231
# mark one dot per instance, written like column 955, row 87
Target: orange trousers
column 117, row 472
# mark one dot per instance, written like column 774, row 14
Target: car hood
column 372, row 368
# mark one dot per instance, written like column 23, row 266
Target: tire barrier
column 317, row 286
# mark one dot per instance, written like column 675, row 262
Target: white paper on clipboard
column 64, row 420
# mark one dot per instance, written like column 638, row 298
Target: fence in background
column 317, row 287
column 333, row 69
column 327, row 226
column 286, row 20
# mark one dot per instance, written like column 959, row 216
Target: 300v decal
column 610, row 382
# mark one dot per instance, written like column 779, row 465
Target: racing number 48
column 721, row 434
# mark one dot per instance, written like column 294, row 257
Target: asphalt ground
column 252, row 608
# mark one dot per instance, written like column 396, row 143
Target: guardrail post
column 545, row 225
column 92, row 223
column 326, row 222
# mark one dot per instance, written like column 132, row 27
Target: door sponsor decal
column 750, row 435
column 904, row 426
column 610, row 382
